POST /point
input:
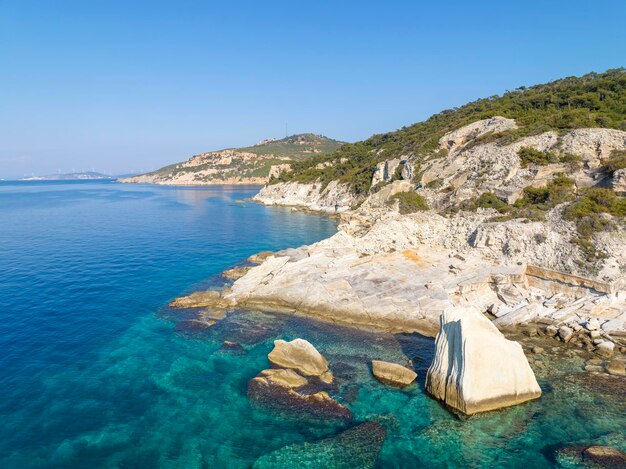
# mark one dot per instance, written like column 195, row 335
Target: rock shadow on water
column 357, row 447
column 420, row 350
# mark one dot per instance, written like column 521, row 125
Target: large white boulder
column 302, row 356
column 476, row 368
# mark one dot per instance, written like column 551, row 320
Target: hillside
column 536, row 175
column 247, row 165
column 596, row 100
column 513, row 206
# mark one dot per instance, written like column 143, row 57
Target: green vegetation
column 590, row 211
column 561, row 189
column 297, row 147
column 596, row 209
column 488, row 200
column 615, row 162
column 593, row 100
column 535, row 202
column 409, row 202
column 529, row 156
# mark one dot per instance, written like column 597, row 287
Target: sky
column 128, row 86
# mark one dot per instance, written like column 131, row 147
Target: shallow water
column 96, row 371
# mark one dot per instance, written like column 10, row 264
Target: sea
column 96, row 371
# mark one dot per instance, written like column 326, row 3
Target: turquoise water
column 96, row 371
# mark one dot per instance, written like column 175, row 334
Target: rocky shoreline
column 504, row 299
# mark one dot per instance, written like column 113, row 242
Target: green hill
column 593, row 100
column 247, row 165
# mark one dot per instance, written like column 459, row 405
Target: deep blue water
column 96, row 371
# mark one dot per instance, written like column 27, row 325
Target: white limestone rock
column 455, row 139
column 385, row 171
column 302, row 356
column 333, row 198
column 476, row 369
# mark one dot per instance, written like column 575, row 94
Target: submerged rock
column 194, row 325
column 300, row 355
column 596, row 456
column 616, row 367
column 259, row 257
column 357, row 447
column 236, row 272
column 476, row 368
column 283, row 390
column 296, row 385
column 392, row 373
column 230, row 346
column 200, row 299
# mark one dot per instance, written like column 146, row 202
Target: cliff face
column 486, row 197
column 334, row 198
column 249, row 165
column 521, row 262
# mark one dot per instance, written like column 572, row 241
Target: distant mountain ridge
column 247, row 165
column 79, row 176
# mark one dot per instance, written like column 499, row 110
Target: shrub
column 615, row 162
column 488, row 200
column 591, row 210
column 529, row 155
column 560, row 190
column 598, row 200
column 409, row 202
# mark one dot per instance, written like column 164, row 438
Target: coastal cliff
column 523, row 221
column 249, row 165
column 488, row 228
column 333, row 198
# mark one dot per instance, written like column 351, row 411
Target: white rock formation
column 476, row 369
column 455, row 139
column 392, row 373
column 333, row 198
column 301, row 356
column 384, row 171
column 401, row 272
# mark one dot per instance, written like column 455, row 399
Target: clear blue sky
column 130, row 85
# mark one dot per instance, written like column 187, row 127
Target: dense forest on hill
column 593, row 100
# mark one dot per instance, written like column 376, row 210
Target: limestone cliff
column 400, row 271
column 334, row 198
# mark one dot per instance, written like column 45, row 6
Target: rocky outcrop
column 392, row 373
column 469, row 169
column 457, row 138
column 476, row 369
column 403, row 290
column 334, row 198
column 301, row 356
column 297, row 382
column 201, row 299
column 593, row 457
column 618, row 182
column 278, row 169
column 385, row 171
column 357, row 447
